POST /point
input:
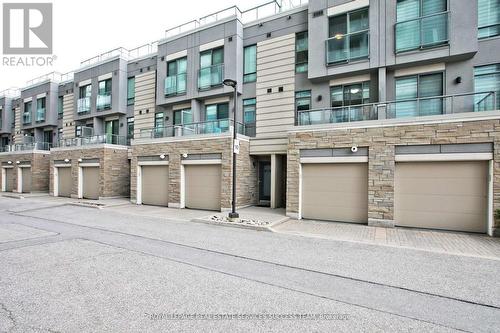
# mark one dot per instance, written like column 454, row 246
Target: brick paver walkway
column 428, row 240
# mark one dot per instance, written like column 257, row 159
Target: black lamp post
column 232, row 83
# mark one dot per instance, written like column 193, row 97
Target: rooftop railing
column 121, row 52
column 53, row 77
column 11, row 92
column 111, row 139
column 245, row 16
column 208, row 127
column 418, row 107
column 26, row 147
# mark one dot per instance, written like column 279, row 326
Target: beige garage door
column 90, row 183
column 9, row 179
column 335, row 192
column 203, row 184
column 26, row 180
column 155, row 185
column 64, row 182
column 442, row 195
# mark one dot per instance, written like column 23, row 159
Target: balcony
column 26, row 118
column 203, row 128
column 111, row 139
column 210, row 77
column 410, row 108
column 83, row 105
column 40, row 115
column 26, row 147
column 349, row 47
column 103, row 101
column 175, row 85
column 423, row 32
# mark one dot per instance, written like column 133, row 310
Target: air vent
column 268, row 35
column 162, row 58
column 230, row 39
column 269, row 90
column 318, row 13
column 280, row 89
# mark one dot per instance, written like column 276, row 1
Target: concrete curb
column 267, row 228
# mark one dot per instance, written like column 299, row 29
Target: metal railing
column 26, row 147
column 418, row 107
column 426, row 31
column 209, row 77
column 40, row 114
column 264, row 10
column 10, row 92
column 208, row 127
column 176, row 84
column 103, row 101
column 111, row 139
column 53, row 76
column 83, row 105
column 346, row 52
column 121, row 52
column 343, row 114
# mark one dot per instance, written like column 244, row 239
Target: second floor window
column 351, row 94
column 421, row 24
column 85, row 91
column 250, row 64
column 176, row 81
column 418, row 95
column 84, row 99
column 349, row 36
column 301, row 52
column 60, row 107
column 487, row 87
column 104, row 95
column 182, row 117
column 488, row 18
column 40, row 109
column 27, row 113
column 211, row 68
column 131, row 90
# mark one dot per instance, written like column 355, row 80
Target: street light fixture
column 233, row 84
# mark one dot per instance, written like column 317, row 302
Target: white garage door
column 335, row 192
column 442, row 195
column 203, row 185
column 91, row 183
column 155, row 185
column 64, row 182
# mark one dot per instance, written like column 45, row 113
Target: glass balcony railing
column 208, row 127
column 345, row 48
column 176, row 85
column 209, row 77
column 83, row 105
column 40, row 115
column 111, row 139
column 343, row 114
column 26, row 147
column 422, row 32
column 103, row 101
column 418, row 107
column 26, row 118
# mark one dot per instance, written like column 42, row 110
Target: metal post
column 234, row 214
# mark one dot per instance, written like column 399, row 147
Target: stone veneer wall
column 39, row 169
column 247, row 172
column 381, row 142
column 114, row 168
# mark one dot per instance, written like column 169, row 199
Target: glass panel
column 172, row 68
column 130, row 90
column 353, row 94
column 406, row 88
column 338, row 25
column 407, row 10
column 223, row 111
column 433, row 6
column 407, row 35
column 358, row 20
column 182, row 65
column 250, row 61
column 337, row 49
column 487, row 79
column 218, row 56
column 337, row 96
column 211, row 112
column 178, row 117
column 435, row 29
column 206, row 59
column 181, row 83
column 301, row 52
column 431, row 85
column 358, row 45
column 205, row 77
column 488, row 18
column 249, row 110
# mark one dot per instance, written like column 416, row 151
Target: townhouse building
column 362, row 111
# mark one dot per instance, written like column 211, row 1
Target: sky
column 83, row 29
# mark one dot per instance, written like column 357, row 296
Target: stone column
column 381, row 166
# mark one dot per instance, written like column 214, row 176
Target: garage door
column 442, row 195
column 26, row 180
column 203, row 184
column 155, row 185
column 64, row 182
column 90, row 183
column 335, row 192
column 9, row 179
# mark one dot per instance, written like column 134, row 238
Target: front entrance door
column 112, row 129
column 265, row 183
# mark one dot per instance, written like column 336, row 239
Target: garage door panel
column 203, row 186
column 91, row 183
column 65, row 182
column 155, row 181
column 442, row 195
column 9, row 178
column 335, row 192
column 26, row 180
